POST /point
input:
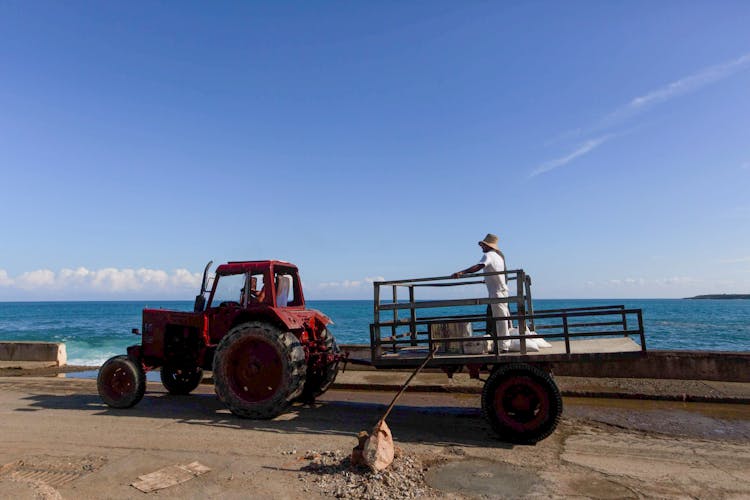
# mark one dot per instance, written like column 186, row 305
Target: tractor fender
column 322, row 318
column 277, row 316
column 292, row 320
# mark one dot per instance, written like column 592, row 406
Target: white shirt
column 493, row 262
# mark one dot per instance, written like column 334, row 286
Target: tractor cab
column 251, row 284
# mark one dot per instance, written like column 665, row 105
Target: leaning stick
column 403, row 387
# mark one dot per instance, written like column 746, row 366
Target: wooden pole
column 406, row 384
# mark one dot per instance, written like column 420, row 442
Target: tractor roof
column 237, row 267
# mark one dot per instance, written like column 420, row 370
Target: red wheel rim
column 254, row 370
column 120, row 382
column 521, row 403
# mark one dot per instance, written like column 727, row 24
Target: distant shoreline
column 721, row 296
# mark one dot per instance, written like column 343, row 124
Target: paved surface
column 60, row 441
column 677, row 390
column 355, row 378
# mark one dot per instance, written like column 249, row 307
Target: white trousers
column 502, row 327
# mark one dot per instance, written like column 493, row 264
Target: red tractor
column 264, row 347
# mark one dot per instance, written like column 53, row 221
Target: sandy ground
column 60, row 441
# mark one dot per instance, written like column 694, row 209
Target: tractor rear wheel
column 121, row 382
column 258, row 370
column 181, row 380
column 319, row 381
column 522, row 403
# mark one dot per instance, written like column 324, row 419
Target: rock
column 357, row 451
column 379, row 449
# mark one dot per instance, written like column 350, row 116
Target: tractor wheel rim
column 254, row 370
column 521, row 403
column 181, row 375
column 119, row 382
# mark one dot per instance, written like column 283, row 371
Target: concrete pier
column 657, row 364
column 32, row 354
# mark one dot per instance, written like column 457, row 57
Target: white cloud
column 184, row 278
column 350, row 284
column 677, row 281
column 74, row 275
column 106, row 280
column 677, row 88
column 690, row 83
column 5, row 280
column 642, row 103
column 643, row 282
column 583, row 149
column 41, row 278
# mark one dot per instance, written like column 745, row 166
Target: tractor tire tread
column 289, row 346
column 134, row 397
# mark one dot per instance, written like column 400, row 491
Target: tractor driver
column 255, row 295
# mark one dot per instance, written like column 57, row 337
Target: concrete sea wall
column 36, row 353
column 676, row 365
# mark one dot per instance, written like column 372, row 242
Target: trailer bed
column 593, row 349
column 404, row 332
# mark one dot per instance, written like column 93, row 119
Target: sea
column 95, row 331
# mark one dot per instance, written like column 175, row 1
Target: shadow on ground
column 446, row 426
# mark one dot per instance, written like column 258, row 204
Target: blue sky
column 606, row 143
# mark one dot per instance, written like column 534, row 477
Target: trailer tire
column 320, row 381
column 121, row 382
column 522, row 403
column 258, row 370
column 181, row 380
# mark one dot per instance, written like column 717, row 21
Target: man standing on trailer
column 493, row 261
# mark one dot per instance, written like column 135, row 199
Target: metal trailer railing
column 550, row 324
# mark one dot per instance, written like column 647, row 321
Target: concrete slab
column 27, row 365
column 33, row 351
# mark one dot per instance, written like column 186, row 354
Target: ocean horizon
column 93, row 331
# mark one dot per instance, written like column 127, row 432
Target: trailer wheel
column 319, row 381
column 180, row 381
column 258, row 370
column 522, row 403
column 121, row 382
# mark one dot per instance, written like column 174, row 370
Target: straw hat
column 490, row 240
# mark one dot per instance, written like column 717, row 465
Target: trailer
column 520, row 398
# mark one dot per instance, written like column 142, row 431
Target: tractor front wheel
column 121, row 382
column 258, row 370
column 181, row 380
column 522, row 403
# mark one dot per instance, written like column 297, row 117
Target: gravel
column 333, row 474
